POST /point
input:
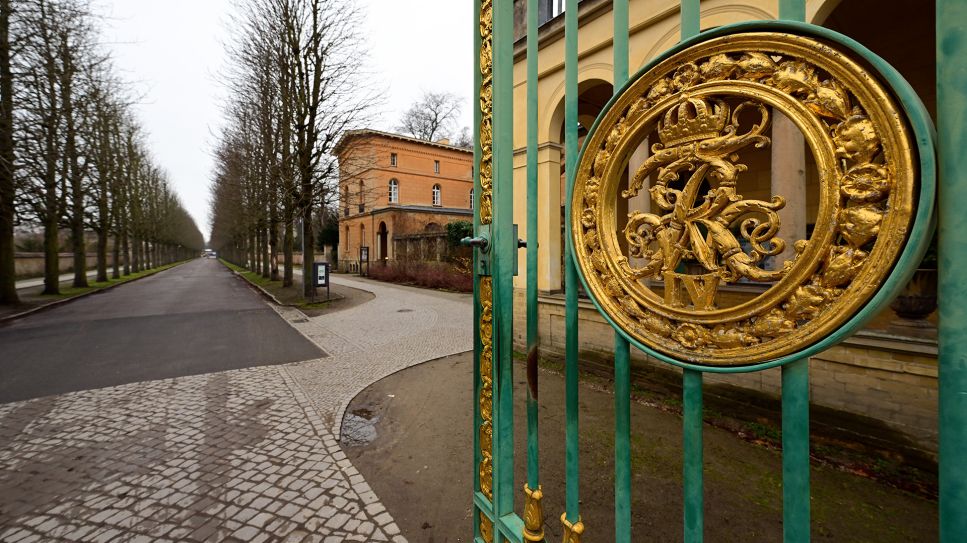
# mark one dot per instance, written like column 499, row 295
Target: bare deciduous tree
column 296, row 87
column 8, row 288
column 74, row 153
column 432, row 117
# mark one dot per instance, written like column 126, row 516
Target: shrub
column 439, row 275
column 458, row 230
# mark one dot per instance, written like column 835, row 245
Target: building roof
column 352, row 134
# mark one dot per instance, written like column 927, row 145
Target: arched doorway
column 382, row 235
column 346, row 251
column 593, row 95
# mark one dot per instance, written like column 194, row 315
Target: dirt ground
column 410, row 435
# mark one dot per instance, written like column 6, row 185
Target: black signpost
column 320, row 273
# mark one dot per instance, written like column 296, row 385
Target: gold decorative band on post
column 486, row 528
column 486, row 136
column 533, row 514
column 485, row 286
column 486, row 467
column 572, row 532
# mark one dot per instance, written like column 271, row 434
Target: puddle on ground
column 359, row 427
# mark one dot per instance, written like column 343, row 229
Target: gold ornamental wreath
column 696, row 99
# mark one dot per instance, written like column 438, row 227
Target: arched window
column 362, row 201
column 345, row 244
column 471, row 198
column 436, row 195
column 394, row 191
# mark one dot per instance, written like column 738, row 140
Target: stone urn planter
column 915, row 303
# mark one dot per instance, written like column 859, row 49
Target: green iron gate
column 710, row 98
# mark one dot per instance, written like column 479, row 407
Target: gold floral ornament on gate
column 663, row 274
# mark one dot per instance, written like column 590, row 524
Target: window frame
column 394, row 191
column 436, row 167
column 437, row 197
column 393, row 160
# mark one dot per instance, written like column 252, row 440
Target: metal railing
column 494, row 485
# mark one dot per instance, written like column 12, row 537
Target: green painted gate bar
column 795, row 451
column 533, row 449
column 504, row 252
column 692, row 477
column 571, row 468
column 795, row 406
column 952, row 112
column 792, row 10
column 952, row 250
column 622, row 354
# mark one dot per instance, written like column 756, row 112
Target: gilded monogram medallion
column 681, row 247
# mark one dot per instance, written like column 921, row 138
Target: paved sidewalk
column 227, row 456
column 402, row 327
column 242, row 455
column 39, row 281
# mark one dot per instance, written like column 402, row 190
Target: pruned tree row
column 72, row 154
column 295, row 86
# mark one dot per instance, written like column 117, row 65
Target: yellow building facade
column 886, row 372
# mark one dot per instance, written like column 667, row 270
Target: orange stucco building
column 394, row 190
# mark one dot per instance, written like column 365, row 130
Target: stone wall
column 431, row 246
column 27, row 265
column 889, row 379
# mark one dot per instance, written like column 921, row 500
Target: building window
column 394, row 191
column 345, row 201
column 362, row 201
column 392, row 159
column 471, row 198
column 436, row 195
column 436, row 166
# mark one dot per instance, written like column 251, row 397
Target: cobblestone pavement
column 403, row 326
column 243, row 455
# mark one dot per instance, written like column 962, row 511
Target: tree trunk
column 76, row 183
column 135, row 254
column 51, row 255
column 102, row 256
column 116, row 254
column 253, row 258
column 274, row 247
column 308, row 253
column 126, row 249
column 287, row 255
column 266, row 260
column 8, row 284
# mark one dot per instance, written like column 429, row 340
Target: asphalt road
column 192, row 319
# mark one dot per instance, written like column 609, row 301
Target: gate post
column 952, row 251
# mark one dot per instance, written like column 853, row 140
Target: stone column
column 549, row 198
column 789, row 181
column 520, row 214
column 642, row 200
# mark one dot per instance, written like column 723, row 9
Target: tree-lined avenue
column 194, row 318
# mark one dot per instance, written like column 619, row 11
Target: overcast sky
column 172, row 52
